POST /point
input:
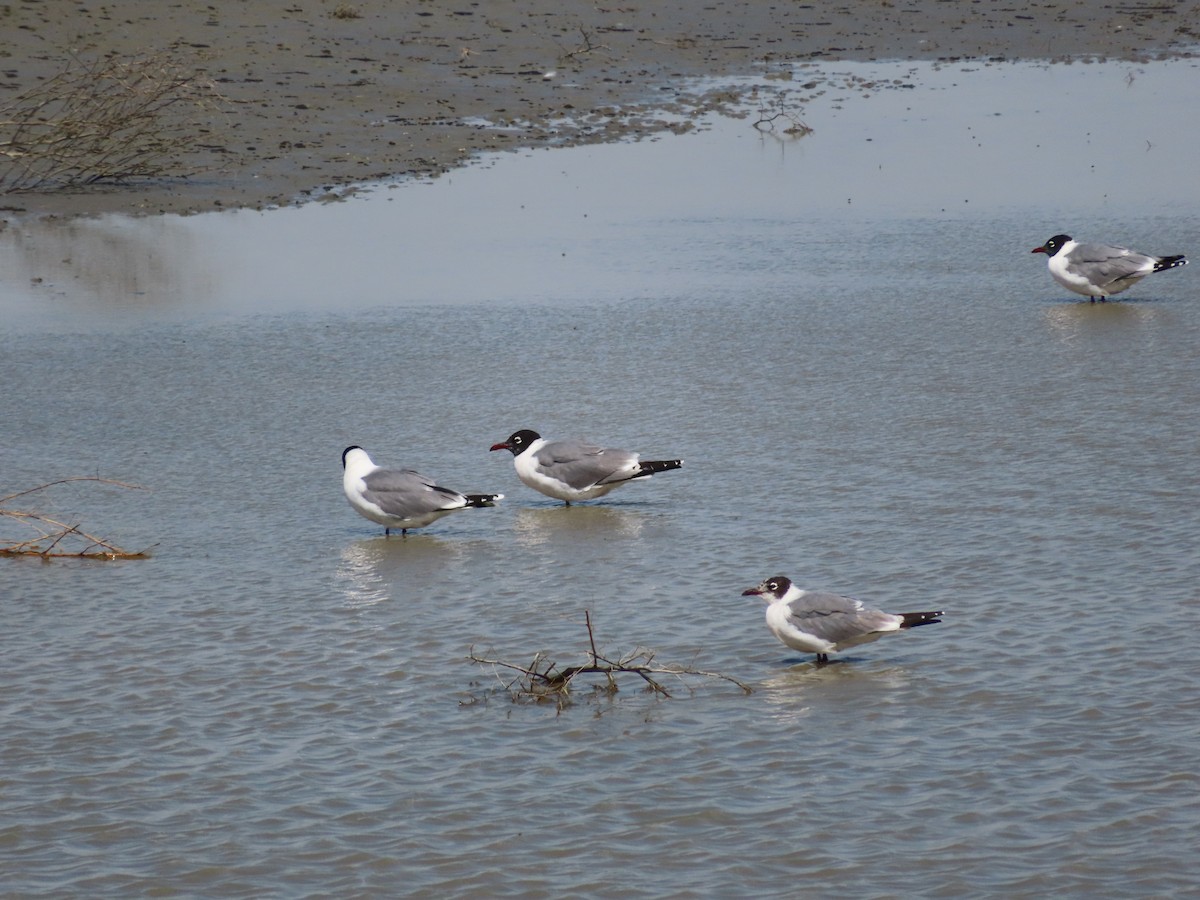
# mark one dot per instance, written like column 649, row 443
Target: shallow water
column 876, row 389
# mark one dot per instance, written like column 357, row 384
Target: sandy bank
column 319, row 93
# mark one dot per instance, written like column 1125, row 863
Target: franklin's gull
column 1100, row 270
column 400, row 498
column 822, row 623
column 574, row 470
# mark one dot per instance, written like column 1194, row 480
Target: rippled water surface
column 876, row 389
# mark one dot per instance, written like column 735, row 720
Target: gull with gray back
column 821, row 622
column 1098, row 271
column 400, row 498
column 572, row 470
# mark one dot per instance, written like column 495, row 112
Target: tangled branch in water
column 60, row 539
column 544, row 681
column 785, row 120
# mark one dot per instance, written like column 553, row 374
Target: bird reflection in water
column 370, row 567
column 539, row 524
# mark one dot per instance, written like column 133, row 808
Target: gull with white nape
column 400, row 498
column 1098, row 271
column 576, row 470
column 821, row 622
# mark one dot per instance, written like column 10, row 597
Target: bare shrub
column 111, row 120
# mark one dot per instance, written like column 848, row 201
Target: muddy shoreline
column 319, row 95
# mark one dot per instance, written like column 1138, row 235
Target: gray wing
column 835, row 618
column 405, row 493
column 582, row 465
column 1105, row 265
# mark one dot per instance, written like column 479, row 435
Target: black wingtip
column 480, row 500
column 914, row 619
column 649, row 467
column 1169, row 262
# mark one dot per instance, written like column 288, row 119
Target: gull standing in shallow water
column 1100, row 270
column 400, row 498
column 822, row 623
column 575, row 470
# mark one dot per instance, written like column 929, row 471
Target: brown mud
column 317, row 95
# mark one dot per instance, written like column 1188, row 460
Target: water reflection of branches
column 780, row 120
column 119, row 261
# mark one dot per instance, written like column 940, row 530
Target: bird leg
column 822, row 659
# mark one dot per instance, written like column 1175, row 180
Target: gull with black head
column 821, row 622
column 1098, row 271
column 570, row 470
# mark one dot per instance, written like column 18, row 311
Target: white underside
column 1081, row 285
column 529, row 472
column 358, row 467
column 375, row 514
column 777, row 621
column 782, row 627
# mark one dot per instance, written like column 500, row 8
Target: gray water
column 876, row 389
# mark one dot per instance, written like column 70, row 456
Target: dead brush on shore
column 111, row 120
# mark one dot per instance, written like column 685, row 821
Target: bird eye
column 774, row 585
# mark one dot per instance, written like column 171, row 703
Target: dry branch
column 793, row 125
column 108, row 120
column 586, row 47
column 543, row 680
column 55, row 539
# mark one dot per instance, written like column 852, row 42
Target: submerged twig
column 52, row 534
column 792, row 125
column 543, row 680
column 50, row 484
